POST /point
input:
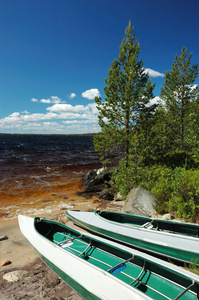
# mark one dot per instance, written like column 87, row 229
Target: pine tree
column 179, row 94
column 128, row 90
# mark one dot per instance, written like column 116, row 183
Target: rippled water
column 32, row 167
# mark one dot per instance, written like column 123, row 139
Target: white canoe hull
column 97, row 282
column 170, row 245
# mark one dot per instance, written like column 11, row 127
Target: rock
column 90, row 175
column 5, row 262
column 98, row 183
column 140, row 202
column 118, row 197
column 101, row 170
column 37, row 284
column 51, row 280
column 167, row 217
column 3, row 237
column 15, row 275
column 106, row 194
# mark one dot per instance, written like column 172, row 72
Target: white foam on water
column 14, row 210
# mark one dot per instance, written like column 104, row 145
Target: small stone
column 11, row 278
column 15, row 276
column 118, row 197
column 166, row 217
column 64, row 197
column 5, row 262
column 3, row 237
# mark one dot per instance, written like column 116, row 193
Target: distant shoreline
column 60, row 134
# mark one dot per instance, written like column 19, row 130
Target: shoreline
column 40, row 282
column 52, row 194
column 16, row 248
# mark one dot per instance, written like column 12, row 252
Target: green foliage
column 128, row 91
column 185, row 200
column 181, row 158
column 179, row 95
column 158, row 180
column 157, row 147
column 176, row 190
column 193, row 268
column 126, row 177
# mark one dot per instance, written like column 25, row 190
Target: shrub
column 186, row 194
column 176, row 190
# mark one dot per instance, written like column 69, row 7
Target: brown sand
column 41, row 282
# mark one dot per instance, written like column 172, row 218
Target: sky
column 55, row 56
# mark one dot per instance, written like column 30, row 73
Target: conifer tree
column 128, row 90
column 179, row 95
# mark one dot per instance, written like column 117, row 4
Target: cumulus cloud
column 34, row 100
column 52, row 99
column 58, row 118
column 72, row 95
column 25, row 112
column 45, row 101
column 153, row 73
column 91, row 94
column 193, row 87
column 59, row 108
column 156, row 100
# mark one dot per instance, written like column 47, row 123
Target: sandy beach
column 37, row 280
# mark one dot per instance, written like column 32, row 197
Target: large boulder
column 140, row 202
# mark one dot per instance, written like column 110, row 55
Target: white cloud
column 60, row 108
column 72, row 95
column 193, row 87
column 34, row 100
column 15, row 115
column 52, row 99
column 153, row 73
column 93, row 107
column 25, row 112
column 91, row 94
column 78, row 122
column 156, row 100
column 58, row 118
column 45, row 101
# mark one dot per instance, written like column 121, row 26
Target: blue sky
column 55, row 55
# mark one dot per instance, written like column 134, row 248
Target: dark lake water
column 36, row 164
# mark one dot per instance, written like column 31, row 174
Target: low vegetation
column 176, row 190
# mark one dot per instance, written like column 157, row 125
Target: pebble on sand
column 15, row 275
column 5, row 262
column 3, row 237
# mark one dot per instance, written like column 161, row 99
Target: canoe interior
column 148, row 277
column 154, row 224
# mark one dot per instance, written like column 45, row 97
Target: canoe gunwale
column 51, row 259
column 92, row 269
column 187, row 253
column 144, row 227
column 128, row 260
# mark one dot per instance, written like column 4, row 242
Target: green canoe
column 172, row 239
column 100, row 269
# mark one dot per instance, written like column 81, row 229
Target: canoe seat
column 147, row 225
column 67, row 240
column 119, row 267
